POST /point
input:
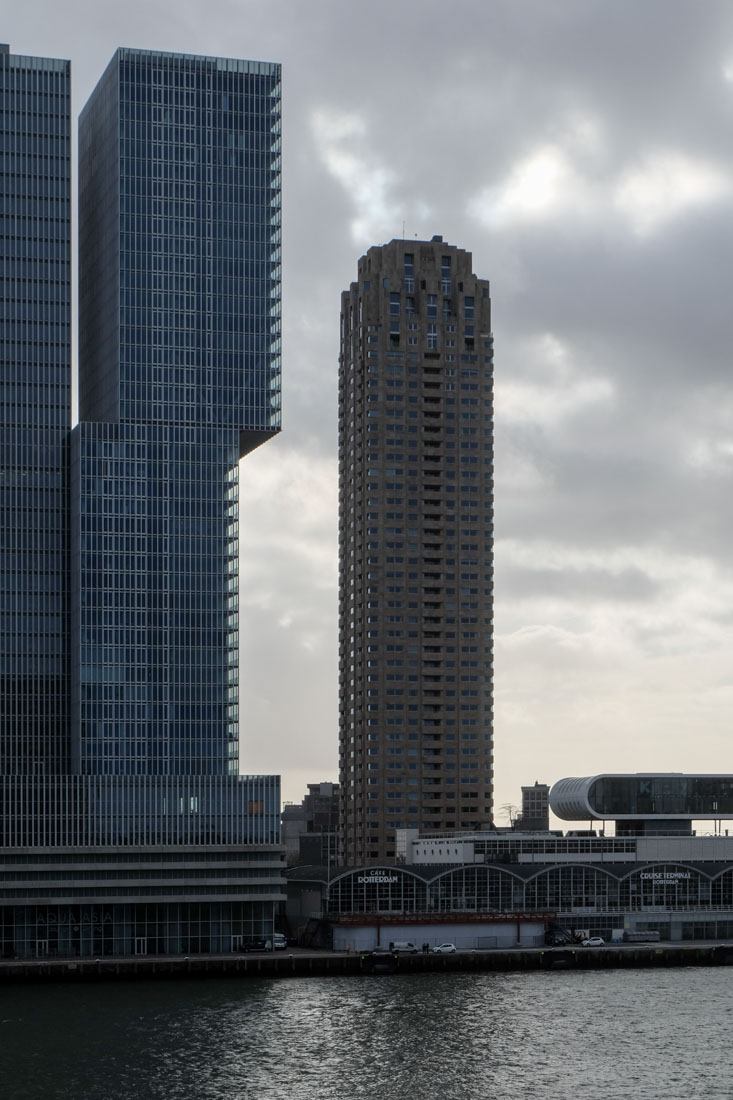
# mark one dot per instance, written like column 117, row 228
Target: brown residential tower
column 415, row 547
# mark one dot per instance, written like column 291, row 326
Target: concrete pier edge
column 323, row 964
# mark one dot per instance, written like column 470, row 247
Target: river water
column 593, row 1035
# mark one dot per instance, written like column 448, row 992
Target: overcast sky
column 583, row 151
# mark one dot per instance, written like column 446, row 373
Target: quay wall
column 320, row 964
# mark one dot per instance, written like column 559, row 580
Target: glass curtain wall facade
column 179, row 378
column 35, row 412
column 155, row 626
column 119, row 539
column 179, row 242
column 107, row 929
column 104, row 811
column 132, row 900
column 415, row 547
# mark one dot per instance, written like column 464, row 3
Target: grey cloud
column 589, row 585
column 451, row 103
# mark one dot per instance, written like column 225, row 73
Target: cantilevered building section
column 415, row 542
column 179, row 376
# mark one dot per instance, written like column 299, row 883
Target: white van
column 403, row 947
column 277, row 943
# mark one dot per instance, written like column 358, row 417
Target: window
column 445, row 284
column 409, row 271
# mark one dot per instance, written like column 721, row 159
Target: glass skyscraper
column 35, row 412
column 179, row 200
column 179, row 226
column 119, row 566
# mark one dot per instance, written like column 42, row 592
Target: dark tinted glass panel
column 35, row 365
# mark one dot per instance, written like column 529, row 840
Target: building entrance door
column 236, row 943
column 41, row 948
column 141, row 945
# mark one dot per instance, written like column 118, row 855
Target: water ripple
column 602, row 1035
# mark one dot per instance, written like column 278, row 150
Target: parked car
column 255, row 945
column 404, row 947
column 444, row 949
column 278, row 942
column 594, row 941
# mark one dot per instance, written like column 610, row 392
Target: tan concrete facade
column 415, row 541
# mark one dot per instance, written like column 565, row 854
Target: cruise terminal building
column 501, row 887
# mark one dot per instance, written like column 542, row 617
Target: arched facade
column 476, row 889
column 683, row 900
column 721, row 890
column 572, row 886
column 377, row 890
column 665, row 886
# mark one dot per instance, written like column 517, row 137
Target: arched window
column 477, row 889
column 665, row 886
column 572, row 887
column 377, row 890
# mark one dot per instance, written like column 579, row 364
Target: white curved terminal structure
column 645, row 795
column 568, row 798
